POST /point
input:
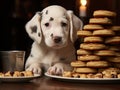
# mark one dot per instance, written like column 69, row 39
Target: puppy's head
column 55, row 25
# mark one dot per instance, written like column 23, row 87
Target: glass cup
column 12, row 60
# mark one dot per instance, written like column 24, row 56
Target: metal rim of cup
column 12, row 51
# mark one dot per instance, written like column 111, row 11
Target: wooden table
column 45, row 83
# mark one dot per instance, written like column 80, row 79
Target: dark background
column 15, row 13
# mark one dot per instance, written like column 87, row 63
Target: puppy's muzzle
column 57, row 39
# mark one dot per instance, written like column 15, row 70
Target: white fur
column 48, row 52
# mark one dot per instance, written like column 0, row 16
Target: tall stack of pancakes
column 99, row 52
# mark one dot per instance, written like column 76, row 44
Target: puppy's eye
column 63, row 24
column 46, row 24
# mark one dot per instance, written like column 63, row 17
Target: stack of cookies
column 99, row 48
column 113, row 44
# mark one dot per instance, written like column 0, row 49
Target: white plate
column 18, row 79
column 86, row 80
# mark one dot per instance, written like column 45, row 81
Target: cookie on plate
column 113, row 40
column 104, row 13
column 114, row 59
column 101, row 21
column 16, row 74
column 83, row 52
column 78, row 75
column 88, row 58
column 104, row 32
column 93, row 39
column 115, row 28
column 84, row 33
column 67, row 74
column 27, row 73
column 8, row 74
column 85, row 70
column 1, row 74
column 105, row 53
column 92, row 27
column 98, row 75
column 97, row 64
column 78, row 64
column 110, row 72
column 92, row 46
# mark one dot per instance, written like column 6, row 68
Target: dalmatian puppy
column 54, row 33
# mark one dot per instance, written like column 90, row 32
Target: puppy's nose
column 57, row 39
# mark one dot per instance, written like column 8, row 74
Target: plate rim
column 10, row 77
column 83, row 79
column 18, row 79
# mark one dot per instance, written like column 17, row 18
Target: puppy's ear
column 75, row 25
column 33, row 27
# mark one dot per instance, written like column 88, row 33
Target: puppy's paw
column 55, row 70
column 35, row 68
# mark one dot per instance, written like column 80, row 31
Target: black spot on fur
column 51, row 19
column 39, row 34
column 62, row 59
column 46, row 12
column 34, row 29
column 31, row 55
column 47, row 24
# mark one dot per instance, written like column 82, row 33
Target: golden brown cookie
column 118, row 75
column 83, row 52
column 84, row 33
column 88, row 58
column 105, row 53
column 104, row 13
column 85, row 70
column 16, row 74
column 78, row 75
column 1, row 74
column 104, row 32
column 8, row 74
column 115, row 28
column 92, row 27
column 97, row 64
column 92, row 46
column 90, row 75
column 27, row 73
column 113, row 40
column 110, row 72
column 107, row 75
column 101, row 21
column 67, row 74
column 93, row 39
column 83, row 75
column 98, row 75
column 78, row 64
column 114, row 59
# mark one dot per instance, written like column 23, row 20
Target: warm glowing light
column 83, row 2
column 83, row 8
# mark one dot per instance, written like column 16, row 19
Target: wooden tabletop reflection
column 46, row 83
